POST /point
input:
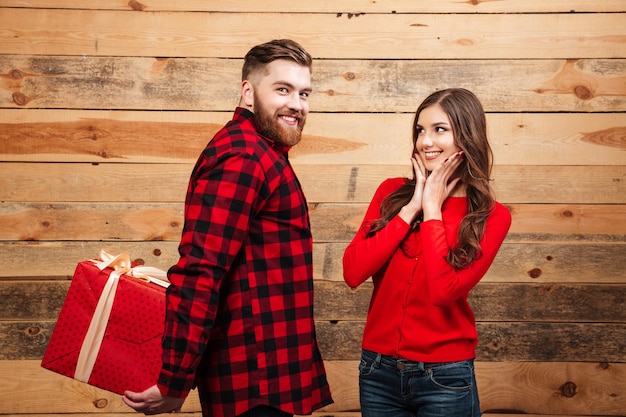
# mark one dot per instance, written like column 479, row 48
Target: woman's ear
column 247, row 94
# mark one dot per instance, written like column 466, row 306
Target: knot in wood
column 135, row 5
column 583, row 93
column 139, row 261
column 157, row 252
column 33, row 330
column 20, row 99
column 534, row 273
column 568, row 389
column 16, row 74
column 567, row 213
column 349, row 76
column 101, row 403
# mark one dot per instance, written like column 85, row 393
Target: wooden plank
column 86, row 221
column 339, row 222
column 332, row 6
column 376, row 85
column 330, row 222
column 503, row 341
column 522, row 262
column 567, row 303
column 491, row 302
column 438, row 36
column 527, row 262
column 82, row 182
column 34, row 135
column 557, row 388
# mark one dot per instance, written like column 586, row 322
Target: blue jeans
column 403, row 388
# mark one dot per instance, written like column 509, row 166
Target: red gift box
column 109, row 330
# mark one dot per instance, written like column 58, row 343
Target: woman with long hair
column 426, row 242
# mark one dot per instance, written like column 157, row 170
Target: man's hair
column 259, row 56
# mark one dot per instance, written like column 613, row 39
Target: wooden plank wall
column 104, row 106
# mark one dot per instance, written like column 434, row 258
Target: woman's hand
column 439, row 186
column 409, row 212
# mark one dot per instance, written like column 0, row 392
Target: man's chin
column 288, row 140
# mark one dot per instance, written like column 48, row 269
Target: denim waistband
column 406, row 364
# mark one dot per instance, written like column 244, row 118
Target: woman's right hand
column 413, row 208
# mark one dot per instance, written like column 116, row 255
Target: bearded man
column 239, row 318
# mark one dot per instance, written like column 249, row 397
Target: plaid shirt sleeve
column 243, row 283
column 215, row 227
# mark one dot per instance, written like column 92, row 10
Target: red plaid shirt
column 239, row 321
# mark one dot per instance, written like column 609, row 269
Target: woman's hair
column 259, row 56
column 469, row 128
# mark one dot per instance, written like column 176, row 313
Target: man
column 239, row 321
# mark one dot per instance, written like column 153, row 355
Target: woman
column 426, row 242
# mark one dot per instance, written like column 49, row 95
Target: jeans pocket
column 367, row 365
column 456, row 376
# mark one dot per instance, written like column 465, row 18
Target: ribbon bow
column 95, row 333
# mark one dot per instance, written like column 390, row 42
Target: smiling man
column 239, row 323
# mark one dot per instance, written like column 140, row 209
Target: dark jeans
column 265, row 411
column 403, row 388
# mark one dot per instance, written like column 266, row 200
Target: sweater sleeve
column 446, row 284
column 364, row 256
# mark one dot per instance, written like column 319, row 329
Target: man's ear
column 247, row 94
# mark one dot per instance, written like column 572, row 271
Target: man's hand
column 151, row 401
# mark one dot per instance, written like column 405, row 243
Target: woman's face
column 435, row 140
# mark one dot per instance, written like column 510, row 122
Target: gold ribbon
column 95, row 332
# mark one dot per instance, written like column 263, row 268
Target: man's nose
column 295, row 102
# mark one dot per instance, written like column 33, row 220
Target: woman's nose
column 427, row 139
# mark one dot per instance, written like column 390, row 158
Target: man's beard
column 273, row 129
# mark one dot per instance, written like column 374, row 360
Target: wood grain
column 38, row 300
column 330, row 222
column 83, row 182
column 527, row 262
column 334, row 6
column 341, row 340
column 230, row 35
column 34, row 135
column 346, row 85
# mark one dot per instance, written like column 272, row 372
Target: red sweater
column 419, row 309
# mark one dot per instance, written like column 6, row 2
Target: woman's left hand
column 439, row 186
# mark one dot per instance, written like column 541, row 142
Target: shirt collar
column 242, row 114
